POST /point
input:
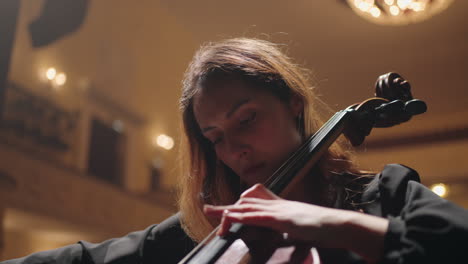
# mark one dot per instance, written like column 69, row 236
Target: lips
column 254, row 169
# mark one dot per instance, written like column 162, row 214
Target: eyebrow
column 229, row 113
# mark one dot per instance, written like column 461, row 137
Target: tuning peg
column 415, row 107
column 391, row 107
column 392, row 113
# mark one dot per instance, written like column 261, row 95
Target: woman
column 246, row 107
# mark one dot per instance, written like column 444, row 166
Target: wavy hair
column 206, row 180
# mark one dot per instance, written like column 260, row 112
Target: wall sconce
column 55, row 78
column 440, row 189
column 164, row 141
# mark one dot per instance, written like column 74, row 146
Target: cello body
column 293, row 254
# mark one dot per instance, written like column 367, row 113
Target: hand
column 300, row 221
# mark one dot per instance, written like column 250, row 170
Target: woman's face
column 251, row 130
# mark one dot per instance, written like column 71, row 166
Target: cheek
column 277, row 138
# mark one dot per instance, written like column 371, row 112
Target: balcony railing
column 38, row 124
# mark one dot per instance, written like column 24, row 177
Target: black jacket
column 423, row 228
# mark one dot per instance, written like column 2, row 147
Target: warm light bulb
column 375, row 11
column 403, row 4
column 394, row 10
column 389, row 2
column 165, row 142
column 365, row 5
column 60, row 79
column 417, row 6
column 440, row 189
column 50, row 73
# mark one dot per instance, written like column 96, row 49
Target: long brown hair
column 206, row 180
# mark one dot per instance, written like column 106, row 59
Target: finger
column 225, row 224
column 218, row 211
column 240, row 202
column 262, row 219
column 254, row 200
column 215, row 211
column 229, row 218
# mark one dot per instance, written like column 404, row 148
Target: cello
column 393, row 104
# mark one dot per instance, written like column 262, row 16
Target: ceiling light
column 399, row 12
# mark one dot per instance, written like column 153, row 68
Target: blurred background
column 89, row 93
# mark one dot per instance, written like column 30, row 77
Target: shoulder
column 170, row 230
column 387, row 192
column 167, row 242
column 161, row 243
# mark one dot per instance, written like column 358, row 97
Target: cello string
column 287, row 166
column 281, row 174
column 284, row 172
column 297, row 155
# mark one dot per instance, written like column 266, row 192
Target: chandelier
column 397, row 12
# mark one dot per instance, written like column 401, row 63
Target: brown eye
column 217, row 141
column 249, row 119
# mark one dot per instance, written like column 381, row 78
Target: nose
column 237, row 149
